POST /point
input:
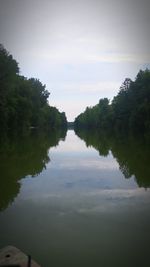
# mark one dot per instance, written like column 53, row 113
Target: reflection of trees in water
column 131, row 154
column 133, row 158
column 22, row 157
column 98, row 141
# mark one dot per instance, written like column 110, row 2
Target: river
column 73, row 202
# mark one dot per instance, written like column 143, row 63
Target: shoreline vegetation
column 127, row 114
column 24, row 102
column 24, row 105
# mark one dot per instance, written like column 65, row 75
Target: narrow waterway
column 69, row 205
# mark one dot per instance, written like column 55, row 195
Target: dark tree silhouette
column 24, row 102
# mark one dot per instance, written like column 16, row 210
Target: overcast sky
column 81, row 49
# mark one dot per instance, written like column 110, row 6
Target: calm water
column 72, row 202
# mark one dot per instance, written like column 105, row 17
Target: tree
column 24, row 102
column 129, row 111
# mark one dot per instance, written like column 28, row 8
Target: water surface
column 76, row 203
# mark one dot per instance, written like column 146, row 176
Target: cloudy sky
column 81, row 49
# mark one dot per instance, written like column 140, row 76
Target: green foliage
column 24, row 102
column 95, row 117
column 129, row 111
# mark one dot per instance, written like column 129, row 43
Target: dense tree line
column 129, row 111
column 24, row 102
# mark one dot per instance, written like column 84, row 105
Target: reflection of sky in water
column 80, row 211
column 74, row 155
column 80, row 160
column 81, row 180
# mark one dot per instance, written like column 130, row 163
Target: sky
column 81, row 49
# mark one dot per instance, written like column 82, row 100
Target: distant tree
column 95, row 117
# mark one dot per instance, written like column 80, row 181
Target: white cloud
column 120, row 58
column 104, row 87
column 84, row 52
column 85, row 47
